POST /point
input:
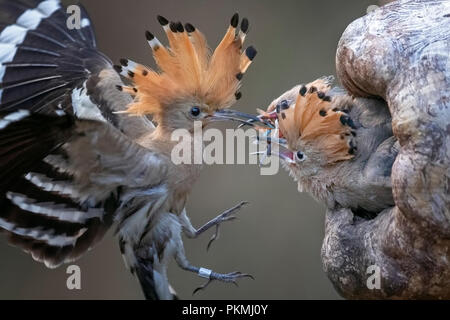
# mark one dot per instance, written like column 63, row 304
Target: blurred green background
column 279, row 236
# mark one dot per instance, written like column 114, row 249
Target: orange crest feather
column 188, row 71
column 317, row 124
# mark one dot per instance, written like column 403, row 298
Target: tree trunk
column 401, row 53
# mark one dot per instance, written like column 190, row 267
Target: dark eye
column 300, row 156
column 195, row 111
column 284, row 105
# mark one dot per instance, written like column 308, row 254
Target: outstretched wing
column 46, row 67
column 64, row 153
column 61, row 181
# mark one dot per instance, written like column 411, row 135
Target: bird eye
column 195, row 111
column 300, row 156
column 283, row 105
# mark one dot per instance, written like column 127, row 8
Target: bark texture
column 401, row 53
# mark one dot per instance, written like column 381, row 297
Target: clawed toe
column 228, row 277
column 232, row 277
column 228, row 215
column 213, row 237
column 203, row 287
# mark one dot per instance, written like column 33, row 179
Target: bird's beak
column 287, row 156
column 243, row 118
column 278, row 147
column 271, row 116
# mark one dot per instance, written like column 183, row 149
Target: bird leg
column 227, row 215
column 231, row 277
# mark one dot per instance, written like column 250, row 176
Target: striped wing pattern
column 58, row 177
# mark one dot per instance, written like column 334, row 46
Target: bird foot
column 227, row 215
column 228, row 277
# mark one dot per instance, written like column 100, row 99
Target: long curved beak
column 241, row 117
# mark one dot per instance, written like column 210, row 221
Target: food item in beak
column 243, row 118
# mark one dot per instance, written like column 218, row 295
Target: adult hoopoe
column 338, row 148
column 72, row 164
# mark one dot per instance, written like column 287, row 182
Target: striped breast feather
column 41, row 59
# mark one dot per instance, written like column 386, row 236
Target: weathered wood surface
column 400, row 52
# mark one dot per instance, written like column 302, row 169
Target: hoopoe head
column 311, row 131
column 192, row 83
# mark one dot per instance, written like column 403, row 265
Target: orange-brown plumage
column 338, row 148
column 312, row 122
column 187, row 70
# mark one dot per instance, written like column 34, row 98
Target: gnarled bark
column 400, row 52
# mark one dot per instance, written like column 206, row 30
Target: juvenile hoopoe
column 71, row 164
column 338, row 148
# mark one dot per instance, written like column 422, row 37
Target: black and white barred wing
column 62, row 147
column 41, row 59
column 62, row 181
column 46, row 67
